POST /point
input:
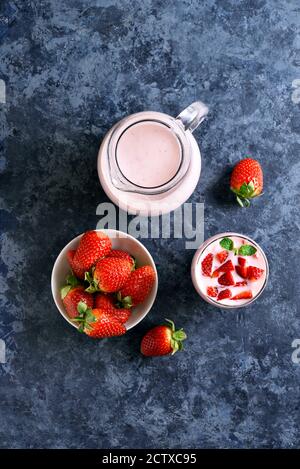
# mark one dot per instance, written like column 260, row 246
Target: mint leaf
column 247, row 250
column 226, row 243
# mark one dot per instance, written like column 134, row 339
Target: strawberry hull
column 237, row 247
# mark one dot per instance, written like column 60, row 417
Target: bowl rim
column 196, row 258
column 110, row 233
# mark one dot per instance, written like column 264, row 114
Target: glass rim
column 119, row 180
column 181, row 153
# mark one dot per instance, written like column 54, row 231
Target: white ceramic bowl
column 119, row 240
column 196, row 266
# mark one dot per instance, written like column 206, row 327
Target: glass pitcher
column 150, row 152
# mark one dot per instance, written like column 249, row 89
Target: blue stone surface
column 72, row 69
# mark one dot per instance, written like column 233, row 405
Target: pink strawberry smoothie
column 255, row 260
column 149, row 154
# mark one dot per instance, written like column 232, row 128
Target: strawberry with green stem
column 163, row 340
column 246, row 181
column 137, row 287
column 72, row 294
column 108, row 303
column 109, row 275
column 93, row 245
column 97, row 323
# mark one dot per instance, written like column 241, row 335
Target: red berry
column 246, row 180
column 162, row 340
column 206, row 265
column 121, row 255
column 137, row 286
column 93, row 246
column 224, row 294
column 98, row 323
column 107, row 303
column 224, row 268
column 242, row 261
column 212, row 291
column 241, row 271
column 241, row 284
column 71, row 296
column 222, row 256
column 110, row 274
column 226, row 279
column 245, row 295
column 254, row 273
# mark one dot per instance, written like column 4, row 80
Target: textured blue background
column 73, row 69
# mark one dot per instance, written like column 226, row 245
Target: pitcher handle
column 193, row 115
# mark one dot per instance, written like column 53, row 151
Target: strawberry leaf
column 247, row 250
column 72, row 280
column 64, row 291
column 179, row 335
column 243, row 191
column 226, row 243
column 81, row 307
column 240, row 201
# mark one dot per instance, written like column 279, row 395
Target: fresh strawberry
column 162, row 340
column 242, row 261
column 93, row 246
column 137, row 287
column 254, row 273
column 241, row 284
column 222, row 256
column 98, row 323
column 224, row 294
column 212, row 291
column 72, row 295
column 223, row 268
column 109, row 275
column 241, row 271
column 245, row 295
column 226, row 279
column 121, row 255
column 246, row 181
column 75, row 268
column 206, row 265
column 70, row 255
column 107, row 303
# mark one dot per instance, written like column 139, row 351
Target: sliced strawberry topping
column 223, row 268
column 206, row 265
column 212, row 291
column 226, row 279
column 241, row 284
column 244, row 295
column 241, row 271
column 242, row 261
column 254, row 273
column 222, row 256
column 224, row 294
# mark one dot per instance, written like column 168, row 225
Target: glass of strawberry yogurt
column 230, row 270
